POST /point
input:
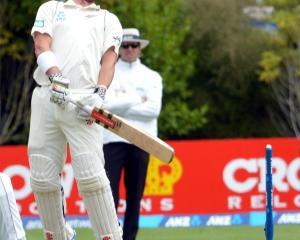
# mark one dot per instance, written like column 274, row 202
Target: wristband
column 101, row 90
column 46, row 60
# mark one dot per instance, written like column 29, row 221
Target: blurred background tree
column 228, row 51
column 16, row 58
column 281, row 66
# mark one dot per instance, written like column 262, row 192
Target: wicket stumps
column 269, row 185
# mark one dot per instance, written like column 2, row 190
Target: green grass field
column 281, row 232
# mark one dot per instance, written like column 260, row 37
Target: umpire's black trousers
column 134, row 161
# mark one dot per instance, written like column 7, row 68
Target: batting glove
column 58, row 88
column 94, row 100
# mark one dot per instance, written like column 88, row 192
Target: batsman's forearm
column 42, row 45
column 106, row 75
column 107, row 69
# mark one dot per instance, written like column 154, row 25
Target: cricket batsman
column 76, row 45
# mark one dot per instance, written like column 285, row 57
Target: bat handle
column 87, row 108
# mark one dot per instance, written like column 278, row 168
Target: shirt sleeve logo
column 117, row 40
column 39, row 23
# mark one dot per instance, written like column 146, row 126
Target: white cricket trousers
column 52, row 127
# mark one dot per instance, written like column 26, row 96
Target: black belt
column 38, row 85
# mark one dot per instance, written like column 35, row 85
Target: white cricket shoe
column 71, row 233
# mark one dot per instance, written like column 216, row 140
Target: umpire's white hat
column 133, row 35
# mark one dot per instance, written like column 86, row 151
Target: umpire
column 135, row 94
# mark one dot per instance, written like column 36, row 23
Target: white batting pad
column 71, row 233
column 45, row 184
column 95, row 190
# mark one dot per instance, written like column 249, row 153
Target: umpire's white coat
column 133, row 82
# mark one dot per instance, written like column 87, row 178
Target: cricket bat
column 116, row 124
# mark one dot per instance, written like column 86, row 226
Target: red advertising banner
column 206, row 177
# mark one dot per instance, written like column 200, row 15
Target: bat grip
column 87, row 108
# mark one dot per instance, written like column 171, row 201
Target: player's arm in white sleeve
column 151, row 104
column 112, row 41
column 42, row 33
column 45, row 57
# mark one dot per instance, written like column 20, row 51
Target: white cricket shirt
column 80, row 36
column 136, row 95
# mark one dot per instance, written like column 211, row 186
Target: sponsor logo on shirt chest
column 61, row 16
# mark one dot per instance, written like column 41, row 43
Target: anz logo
column 61, row 16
